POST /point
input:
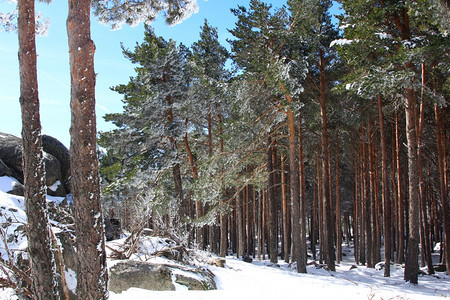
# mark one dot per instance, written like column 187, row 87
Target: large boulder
column 158, row 277
column 129, row 273
column 56, row 162
column 57, row 149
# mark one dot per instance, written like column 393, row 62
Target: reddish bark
column 43, row 268
column 92, row 275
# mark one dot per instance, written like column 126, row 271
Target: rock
column 68, row 249
column 440, row 268
column 52, row 169
column 56, row 189
column 4, row 170
column 193, row 281
column 128, row 273
column 57, row 149
column 157, row 277
column 217, row 261
column 113, row 229
column 17, row 189
column 247, row 259
column 56, row 166
column 11, row 154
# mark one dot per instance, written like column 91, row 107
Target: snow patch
column 341, row 42
column 7, row 183
column 55, row 186
column 71, row 279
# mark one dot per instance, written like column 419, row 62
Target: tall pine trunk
column 43, row 267
column 223, row 216
column 412, row 251
column 441, row 141
column 92, row 275
column 425, row 230
column 273, row 234
column 327, row 220
column 385, row 193
column 285, row 211
column 338, row 208
column 400, row 206
column 302, row 208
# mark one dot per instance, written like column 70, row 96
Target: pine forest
column 309, row 139
column 315, row 135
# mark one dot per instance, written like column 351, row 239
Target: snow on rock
column 55, row 186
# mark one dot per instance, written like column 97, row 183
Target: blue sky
column 110, row 65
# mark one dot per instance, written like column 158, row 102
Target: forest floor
column 263, row 280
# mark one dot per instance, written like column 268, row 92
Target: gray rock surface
column 4, row 169
column 56, row 160
column 158, row 277
column 128, row 273
column 57, row 149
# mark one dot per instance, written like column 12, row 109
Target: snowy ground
column 263, row 280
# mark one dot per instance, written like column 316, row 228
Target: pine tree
column 151, row 128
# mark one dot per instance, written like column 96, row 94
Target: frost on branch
column 8, row 21
column 119, row 12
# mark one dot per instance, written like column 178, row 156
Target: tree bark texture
column 412, row 251
column 92, row 275
column 43, row 267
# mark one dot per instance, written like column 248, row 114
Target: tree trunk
column 441, row 141
column 425, row 230
column 412, row 254
column 239, row 226
column 356, row 211
column 314, row 227
column 302, row 208
column 43, row 267
column 176, row 172
column 92, row 275
column 286, row 233
column 294, row 186
column 385, row 194
column 273, row 240
column 371, row 213
column 327, row 220
column 400, row 213
column 338, row 208
column 364, row 216
column 223, row 216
